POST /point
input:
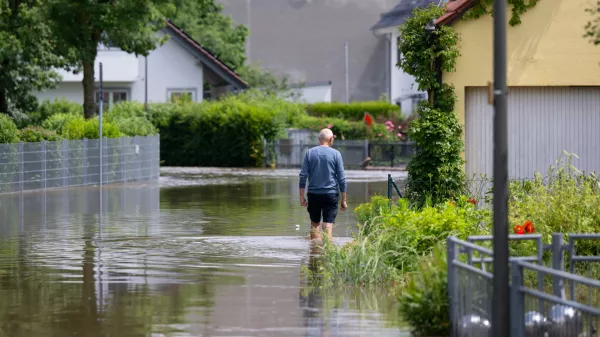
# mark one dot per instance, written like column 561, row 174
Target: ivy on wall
column 484, row 7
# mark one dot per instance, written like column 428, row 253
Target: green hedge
column 228, row 133
column 34, row 134
column 8, row 130
column 355, row 110
column 344, row 129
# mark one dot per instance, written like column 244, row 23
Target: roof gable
column 454, row 10
column 214, row 65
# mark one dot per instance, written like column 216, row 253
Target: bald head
column 325, row 136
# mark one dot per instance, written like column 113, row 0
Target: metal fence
column 545, row 300
column 68, row 163
column 290, row 153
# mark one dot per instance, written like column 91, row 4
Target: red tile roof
column 454, row 9
column 208, row 55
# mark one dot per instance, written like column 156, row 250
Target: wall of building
column 546, row 49
column 305, row 39
column 169, row 67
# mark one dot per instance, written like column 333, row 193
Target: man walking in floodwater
column 324, row 169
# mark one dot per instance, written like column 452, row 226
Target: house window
column 110, row 97
column 179, row 95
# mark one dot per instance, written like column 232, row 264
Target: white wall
column 314, row 94
column 170, row 66
column 118, row 66
column 401, row 83
column 72, row 91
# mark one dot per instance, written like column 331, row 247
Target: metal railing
column 289, row 153
column 539, row 304
column 69, row 163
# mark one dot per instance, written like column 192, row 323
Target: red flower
column 519, row 229
column 472, row 201
column 529, row 228
column 452, row 204
column 368, row 119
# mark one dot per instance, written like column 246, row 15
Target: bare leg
column 315, row 231
column 329, row 228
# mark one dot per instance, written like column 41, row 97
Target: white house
column 181, row 66
column 403, row 89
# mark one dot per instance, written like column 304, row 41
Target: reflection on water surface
column 221, row 257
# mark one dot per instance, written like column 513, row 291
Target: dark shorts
column 322, row 204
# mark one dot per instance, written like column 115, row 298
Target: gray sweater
column 324, row 168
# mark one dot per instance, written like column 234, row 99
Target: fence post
column 558, row 263
column 392, row 150
column 390, row 190
column 517, row 301
column 451, row 255
column 85, row 164
column 65, row 163
column 44, row 164
column 366, row 148
column 21, row 166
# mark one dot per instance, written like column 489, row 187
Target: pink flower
column 400, row 135
column 379, row 135
column 329, row 126
column 334, row 136
column 399, row 127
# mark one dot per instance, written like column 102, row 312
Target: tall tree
column 81, row 25
column 205, row 22
column 26, row 55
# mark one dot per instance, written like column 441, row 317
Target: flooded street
column 200, row 253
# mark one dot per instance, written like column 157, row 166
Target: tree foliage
column 26, row 55
column 205, row 22
column 518, row 8
column 80, row 26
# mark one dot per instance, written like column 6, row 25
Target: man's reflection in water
column 311, row 300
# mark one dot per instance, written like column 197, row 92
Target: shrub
column 435, row 173
column 566, row 201
column 125, row 110
column 58, row 121
column 135, row 126
column 229, row 132
column 355, row 110
column 391, row 241
column 80, row 128
column 424, row 299
column 34, row 134
column 343, row 129
column 8, row 130
column 49, row 108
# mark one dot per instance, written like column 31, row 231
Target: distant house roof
column 218, row 72
column 400, row 13
column 454, row 10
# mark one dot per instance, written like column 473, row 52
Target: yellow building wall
column 546, row 49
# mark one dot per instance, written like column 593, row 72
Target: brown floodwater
column 202, row 252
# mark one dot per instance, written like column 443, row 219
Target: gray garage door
column 542, row 122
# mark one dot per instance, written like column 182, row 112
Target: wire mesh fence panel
column 68, row 163
column 391, row 154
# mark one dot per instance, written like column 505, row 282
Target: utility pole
column 500, row 299
column 346, row 71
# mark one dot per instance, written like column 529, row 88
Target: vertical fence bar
column 122, row 159
column 392, row 154
column 43, row 150
column 63, row 161
column 21, row 166
column 558, row 260
column 451, row 255
column 390, row 190
column 366, row 149
column 85, row 163
column 517, row 301
column 100, row 135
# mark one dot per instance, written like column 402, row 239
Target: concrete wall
column 305, row 39
column 546, row 49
